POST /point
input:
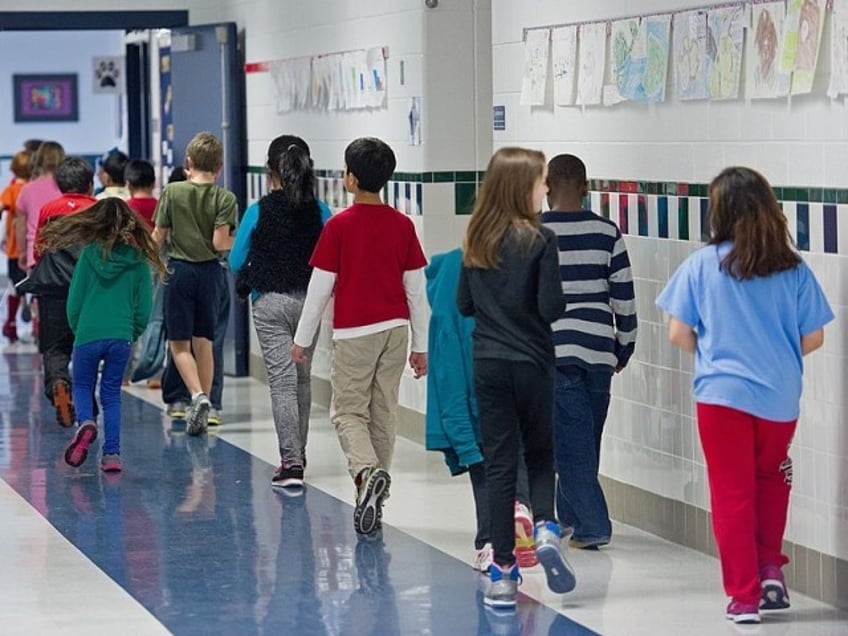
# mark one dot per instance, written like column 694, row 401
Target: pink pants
column 750, row 476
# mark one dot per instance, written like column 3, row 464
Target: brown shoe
column 64, row 404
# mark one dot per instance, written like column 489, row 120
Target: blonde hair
column 505, row 200
column 47, row 158
column 206, row 152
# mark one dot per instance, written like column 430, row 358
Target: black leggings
column 515, row 401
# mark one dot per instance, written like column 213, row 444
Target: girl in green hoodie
column 109, row 303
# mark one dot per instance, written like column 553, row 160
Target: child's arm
column 241, row 244
column 464, row 302
column 682, row 335
column 73, row 307
column 321, row 285
column 414, row 284
column 550, row 299
column 160, row 235
column 144, row 301
column 812, row 341
column 623, row 303
column 222, row 238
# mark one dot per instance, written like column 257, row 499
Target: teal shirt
column 241, row 244
column 109, row 299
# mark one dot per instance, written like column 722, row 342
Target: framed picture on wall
column 45, row 97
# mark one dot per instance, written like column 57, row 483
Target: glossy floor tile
column 191, row 539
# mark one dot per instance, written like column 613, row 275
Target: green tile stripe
column 447, row 176
column 803, row 194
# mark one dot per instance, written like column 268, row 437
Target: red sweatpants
column 750, row 476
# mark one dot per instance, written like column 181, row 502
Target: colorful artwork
column 45, row 98
column 690, row 55
column 724, row 51
column 765, row 78
column 806, row 43
column 640, row 58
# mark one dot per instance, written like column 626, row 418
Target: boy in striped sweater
column 594, row 337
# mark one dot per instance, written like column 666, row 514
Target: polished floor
column 191, row 539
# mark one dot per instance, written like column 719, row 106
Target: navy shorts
column 191, row 299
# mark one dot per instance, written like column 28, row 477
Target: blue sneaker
column 502, row 591
column 548, row 540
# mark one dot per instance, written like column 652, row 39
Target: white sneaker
column 214, row 418
column 482, row 558
column 198, row 412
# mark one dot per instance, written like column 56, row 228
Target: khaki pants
column 365, row 378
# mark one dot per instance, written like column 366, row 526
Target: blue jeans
column 582, row 400
column 86, row 360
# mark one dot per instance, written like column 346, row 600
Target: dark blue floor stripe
column 194, row 532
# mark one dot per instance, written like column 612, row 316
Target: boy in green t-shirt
column 195, row 218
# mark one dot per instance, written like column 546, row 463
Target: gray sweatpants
column 275, row 317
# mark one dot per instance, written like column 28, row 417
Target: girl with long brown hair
column 749, row 308
column 108, row 306
column 510, row 283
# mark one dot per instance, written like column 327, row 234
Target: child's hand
column 418, row 362
column 298, row 354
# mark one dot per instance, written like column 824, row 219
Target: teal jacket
column 451, row 422
column 109, row 299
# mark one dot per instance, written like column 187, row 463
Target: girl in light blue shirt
column 749, row 308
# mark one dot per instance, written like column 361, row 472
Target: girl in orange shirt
column 21, row 169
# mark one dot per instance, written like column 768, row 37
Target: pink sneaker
column 774, row 589
column 111, row 464
column 525, row 546
column 743, row 613
column 77, row 450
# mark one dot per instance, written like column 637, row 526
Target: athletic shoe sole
column 77, row 450
column 560, row 577
column 774, row 596
column 196, row 421
column 498, row 604
column 111, row 467
column 64, row 404
column 367, row 512
column 748, row 618
column 290, row 482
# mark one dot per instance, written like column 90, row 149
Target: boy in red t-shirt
column 75, row 178
column 141, row 180
column 369, row 257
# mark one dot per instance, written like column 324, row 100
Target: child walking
column 108, row 307
column 510, row 283
column 270, row 255
column 369, row 257
column 749, row 308
column 195, row 219
column 595, row 337
column 21, row 170
column 452, row 422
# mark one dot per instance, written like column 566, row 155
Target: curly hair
column 108, row 222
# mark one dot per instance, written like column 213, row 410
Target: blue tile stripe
column 193, row 531
column 802, row 238
column 662, row 213
column 831, row 231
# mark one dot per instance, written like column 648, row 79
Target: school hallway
column 192, row 539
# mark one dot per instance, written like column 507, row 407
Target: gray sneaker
column 177, row 410
column 502, row 591
column 198, row 414
column 215, row 418
column 548, row 539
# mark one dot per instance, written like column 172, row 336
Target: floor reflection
column 193, row 531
